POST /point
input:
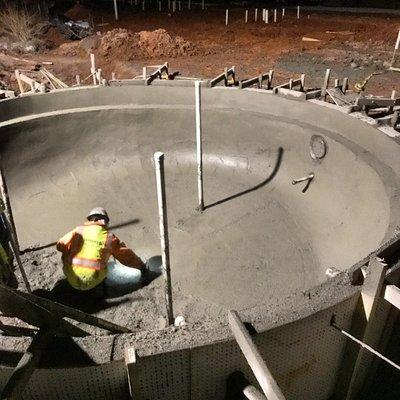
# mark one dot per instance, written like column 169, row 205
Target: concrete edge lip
column 298, row 306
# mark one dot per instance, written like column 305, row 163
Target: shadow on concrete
column 113, row 291
column 52, row 244
column 260, row 185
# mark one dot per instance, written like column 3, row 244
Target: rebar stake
column 162, row 212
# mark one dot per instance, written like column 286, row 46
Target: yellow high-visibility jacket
column 86, row 251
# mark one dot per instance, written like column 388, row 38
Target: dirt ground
column 202, row 45
column 138, row 307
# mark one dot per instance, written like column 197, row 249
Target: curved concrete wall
column 75, row 148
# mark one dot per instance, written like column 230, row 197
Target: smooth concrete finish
column 261, row 238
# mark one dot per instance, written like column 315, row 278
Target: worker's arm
column 125, row 255
column 70, row 243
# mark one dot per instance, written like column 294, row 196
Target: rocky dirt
column 197, row 43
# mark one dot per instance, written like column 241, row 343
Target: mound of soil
column 125, row 45
column 78, row 12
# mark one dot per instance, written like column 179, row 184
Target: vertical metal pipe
column 199, row 147
column 226, row 17
column 162, row 212
column 298, row 12
column 275, row 15
column 246, row 16
column 116, row 10
column 266, row 16
column 10, row 225
column 255, row 15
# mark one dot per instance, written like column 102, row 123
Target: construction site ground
column 202, row 45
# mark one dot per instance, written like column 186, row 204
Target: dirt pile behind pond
column 125, row 45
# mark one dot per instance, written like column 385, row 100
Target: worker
column 87, row 249
column 7, row 275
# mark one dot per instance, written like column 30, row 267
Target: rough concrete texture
column 260, row 239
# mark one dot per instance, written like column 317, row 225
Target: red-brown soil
column 197, row 43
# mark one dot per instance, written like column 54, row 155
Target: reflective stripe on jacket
column 96, row 247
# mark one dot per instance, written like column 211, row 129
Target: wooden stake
column 144, row 73
column 326, row 82
column 20, row 85
column 162, row 212
column 298, row 12
column 283, row 12
column 302, row 81
column 78, row 80
column 255, row 15
column 275, row 15
column 93, row 68
column 202, row 4
column 189, row 5
column 226, row 17
column 345, row 84
column 253, row 357
column 116, row 10
column 266, row 16
column 246, row 16
column 199, row 146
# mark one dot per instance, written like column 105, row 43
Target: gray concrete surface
column 261, row 238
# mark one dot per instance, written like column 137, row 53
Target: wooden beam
column 254, row 359
column 22, row 373
column 392, row 295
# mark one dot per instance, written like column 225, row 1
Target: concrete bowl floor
column 260, row 238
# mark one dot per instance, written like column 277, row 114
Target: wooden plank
column 22, row 373
column 377, row 102
column 80, row 316
column 338, row 97
column 254, row 359
column 392, row 295
column 14, row 304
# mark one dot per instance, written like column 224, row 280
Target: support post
column 93, row 68
column 226, row 17
column 254, row 359
column 10, row 225
column 202, row 4
column 20, row 85
column 78, row 80
column 298, row 12
column 189, row 5
column 255, row 15
column 326, row 82
column 266, row 16
column 302, row 82
column 116, row 10
column 199, row 146
column 246, row 16
column 275, row 15
column 283, row 12
column 345, row 84
column 162, row 211
column 144, row 73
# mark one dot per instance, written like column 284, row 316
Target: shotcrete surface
column 260, row 238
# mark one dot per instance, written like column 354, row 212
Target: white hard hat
column 98, row 212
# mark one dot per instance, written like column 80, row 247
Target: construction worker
column 7, row 275
column 87, row 249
